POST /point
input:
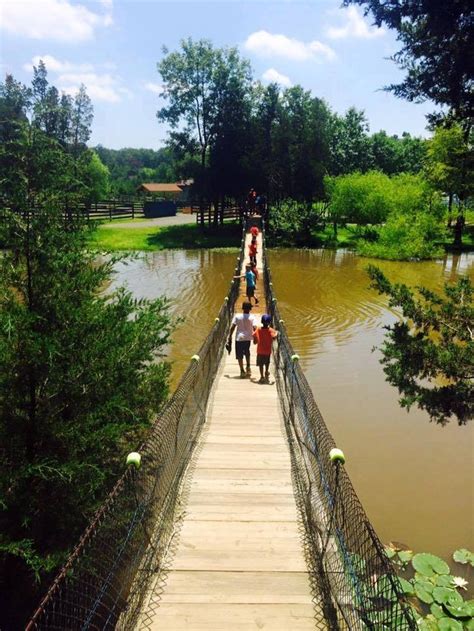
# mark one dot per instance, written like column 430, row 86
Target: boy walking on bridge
column 263, row 338
column 250, row 279
column 245, row 324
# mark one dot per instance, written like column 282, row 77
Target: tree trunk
column 450, row 210
column 458, row 230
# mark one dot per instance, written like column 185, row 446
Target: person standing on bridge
column 250, row 279
column 263, row 337
column 253, row 250
column 254, row 231
column 245, row 324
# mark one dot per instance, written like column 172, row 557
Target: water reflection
column 196, row 282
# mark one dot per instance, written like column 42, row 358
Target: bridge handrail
column 103, row 583
column 357, row 584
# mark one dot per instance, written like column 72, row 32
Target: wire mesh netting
column 356, row 582
column 104, row 582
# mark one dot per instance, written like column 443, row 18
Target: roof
column 158, row 187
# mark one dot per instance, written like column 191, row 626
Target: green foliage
column 293, row 223
column 80, row 380
column 429, row 355
column 95, row 176
column 81, row 374
column 405, row 204
column 464, row 556
column 406, row 238
column 432, row 591
column 362, row 198
column 129, row 167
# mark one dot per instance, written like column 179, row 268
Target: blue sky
column 112, row 46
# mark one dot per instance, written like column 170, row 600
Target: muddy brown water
column 414, row 478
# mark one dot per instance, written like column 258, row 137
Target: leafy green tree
column 450, row 168
column 95, row 176
column 200, row 84
column 362, row 198
column 414, row 227
column 393, row 155
column 81, row 373
column 429, row 355
column 80, row 381
column 350, row 143
column 436, row 52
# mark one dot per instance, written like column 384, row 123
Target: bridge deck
column 238, row 560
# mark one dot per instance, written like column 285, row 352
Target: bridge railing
column 103, row 583
column 357, row 586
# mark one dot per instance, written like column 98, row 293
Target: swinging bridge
column 237, row 518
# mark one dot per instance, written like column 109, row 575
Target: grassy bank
column 189, row 236
column 146, row 239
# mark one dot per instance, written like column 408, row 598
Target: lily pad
column 464, row 556
column 397, row 546
column 405, row 555
column 448, row 624
column 444, row 580
column 428, row 624
column 429, row 564
column 437, row 611
column 390, row 552
column 423, row 591
column 461, row 610
column 407, row 587
column 444, row 595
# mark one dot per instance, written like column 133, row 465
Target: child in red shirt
column 254, row 231
column 253, row 251
column 264, row 337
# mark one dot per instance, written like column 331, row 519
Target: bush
column 406, row 237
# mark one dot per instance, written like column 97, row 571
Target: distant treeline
column 294, row 140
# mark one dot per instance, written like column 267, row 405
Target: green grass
column 147, row 239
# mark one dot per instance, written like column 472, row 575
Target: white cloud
column 355, row 26
column 156, row 88
column 273, row 76
column 100, row 87
column 274, row 45
column 55, row 65
column 57, row 20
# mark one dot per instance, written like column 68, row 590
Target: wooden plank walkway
column 238, row 562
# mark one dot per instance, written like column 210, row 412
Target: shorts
column 250, row 292
column 241, row 349
column 263, row 360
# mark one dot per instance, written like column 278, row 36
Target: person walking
column 250, row 279
column 253, row 250
column 244, row 323
column 263, row 337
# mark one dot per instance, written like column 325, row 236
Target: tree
column 429, row 355
column 350, row 143
column 362, row 198
column 81, row 370
column 436, row 52
column 450, row 168
column 95, row 176
column 200, row 83
column 82, row 115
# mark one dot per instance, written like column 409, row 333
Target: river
column 414, row 478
